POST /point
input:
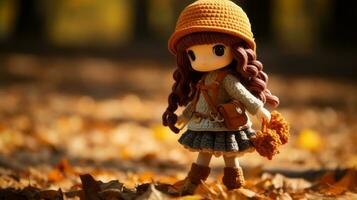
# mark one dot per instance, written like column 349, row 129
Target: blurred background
column 87, row 81
column 302, row 32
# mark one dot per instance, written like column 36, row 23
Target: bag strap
column 195, row 98
column 197, row 92
column 210, row 102
column 201, row 87
column 219, row 78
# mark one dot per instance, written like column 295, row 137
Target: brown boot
column 233, row 177
column 194, row 177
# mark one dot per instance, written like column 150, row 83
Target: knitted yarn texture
column 222, row 16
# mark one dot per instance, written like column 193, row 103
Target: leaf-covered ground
column 90, row 128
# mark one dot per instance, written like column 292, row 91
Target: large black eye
column 219, row 49
column 191, row 54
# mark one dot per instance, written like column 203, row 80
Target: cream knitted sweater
column 230, row 88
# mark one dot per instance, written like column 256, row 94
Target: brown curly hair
column 245, row 65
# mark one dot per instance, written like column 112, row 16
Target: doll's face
column 208, row 57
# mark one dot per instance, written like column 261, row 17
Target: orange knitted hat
column 221, row 16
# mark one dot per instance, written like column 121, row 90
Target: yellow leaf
column 125, row 154
column 146, row 177
column 163, row 133
column 55, row 175
column 310, row 140
column 192, row 197
column 352, row 161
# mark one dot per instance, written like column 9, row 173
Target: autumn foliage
column 59, row 140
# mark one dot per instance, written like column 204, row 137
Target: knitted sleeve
column 187, row 112
column 237, row 91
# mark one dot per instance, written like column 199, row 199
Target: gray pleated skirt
column 228, row 143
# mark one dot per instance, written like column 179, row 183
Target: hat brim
column 177, row 35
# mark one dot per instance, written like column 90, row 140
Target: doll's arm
column 237, row 91
column 186, row 115
column 188, row 111
column 263, row 113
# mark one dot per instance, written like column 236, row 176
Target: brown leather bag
column 232, row 114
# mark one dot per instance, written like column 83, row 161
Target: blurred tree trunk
column 260, row 16
column 29, row 24
column 296, row 24
column 344, row 17
column 141, row 15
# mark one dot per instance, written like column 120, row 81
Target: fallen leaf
column 152, row 194
column 60, row 171
column 51, row 194
column 146, row 177
column 310, row 140
column 113, row 184
column 278, row 181
column 284, row 196
column 347, row 182
column 110, row 194
column 163, row 133
column 90, row 187
column 55, row 175
column 191, row 197
column 247, row 193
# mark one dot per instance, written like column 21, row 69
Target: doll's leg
column 203, row 159
column 231, row 161
column 233, row 174
column 199, row 172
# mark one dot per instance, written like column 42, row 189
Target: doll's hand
column 181, row 120
column 263, row 113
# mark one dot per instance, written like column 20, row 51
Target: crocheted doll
column 215, row 48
